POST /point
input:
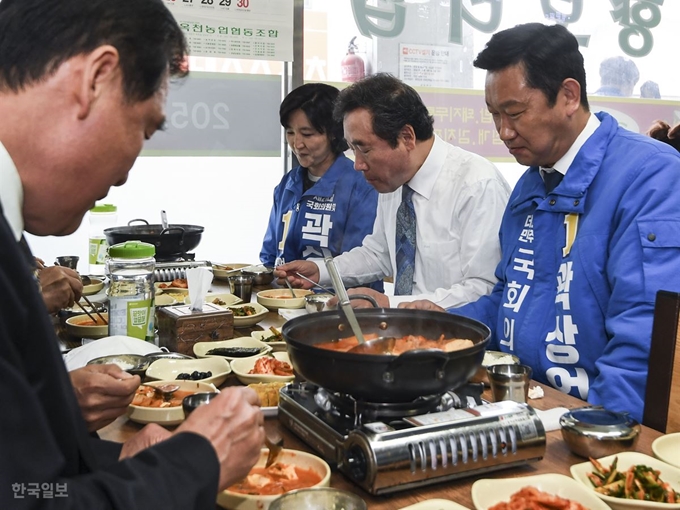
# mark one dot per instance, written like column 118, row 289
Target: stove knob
column 355, row 459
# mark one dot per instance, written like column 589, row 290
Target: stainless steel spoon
column 275, row 447
column 164, row 219
column 165, row 390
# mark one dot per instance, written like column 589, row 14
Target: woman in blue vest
column 323, row 203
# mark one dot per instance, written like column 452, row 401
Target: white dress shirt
column 11, row 193
column 565, row 161
column 459, row 201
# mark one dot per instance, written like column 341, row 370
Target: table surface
column 557, row 457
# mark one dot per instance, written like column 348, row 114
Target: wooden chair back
column 662, row 397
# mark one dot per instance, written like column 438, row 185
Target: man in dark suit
column 82, row 85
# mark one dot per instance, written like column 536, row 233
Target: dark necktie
column 26, row 250
column 405, row 243
column 552, row 179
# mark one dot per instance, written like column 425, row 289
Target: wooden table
column 557, row 457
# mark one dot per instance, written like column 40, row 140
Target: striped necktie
column 405, row 243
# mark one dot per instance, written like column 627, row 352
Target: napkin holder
column 180, row 327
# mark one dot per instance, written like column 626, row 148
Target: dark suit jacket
column 43, row 437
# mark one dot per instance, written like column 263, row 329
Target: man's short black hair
column 37, row 36
column 392, row 103
column 548, row 53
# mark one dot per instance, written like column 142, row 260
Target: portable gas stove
column 168, row 270
column 390, row 447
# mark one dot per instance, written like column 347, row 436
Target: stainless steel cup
column 241, row 286
column 70, row 261
column 509, row 382
column 192, row 402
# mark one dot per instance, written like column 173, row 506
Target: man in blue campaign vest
column 580, row 264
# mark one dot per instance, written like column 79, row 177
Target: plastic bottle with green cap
column 130, row 268
column 102, row 216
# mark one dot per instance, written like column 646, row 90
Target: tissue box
column 179, row 327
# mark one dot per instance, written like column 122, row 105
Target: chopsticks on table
column 93, row 308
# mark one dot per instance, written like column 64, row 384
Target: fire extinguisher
column 352, row 66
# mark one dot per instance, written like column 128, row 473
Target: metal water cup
column 509, row 382
column 70, row 261
column 241, row 286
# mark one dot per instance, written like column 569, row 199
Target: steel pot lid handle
column 137, row 219
column 370, row 299
column 168, row 231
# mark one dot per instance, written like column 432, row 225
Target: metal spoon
column 279, row 262
column 164, row 219
column 275, row 448
column 165, row 390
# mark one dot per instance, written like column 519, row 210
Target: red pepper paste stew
column 278, row 478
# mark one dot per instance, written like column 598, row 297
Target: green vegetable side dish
column 243, row 311
column 639, row 482
column 276, row 336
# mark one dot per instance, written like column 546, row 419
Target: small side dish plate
column 263, row 335
column 667, row 473
column 667, row 449
column 242, row 367
column 223, row 300
column 169, row 369
column 244, row 321
column 224, row 271
column 95, row 286
column 488, row 492
column 177, row 293
column 201, row 348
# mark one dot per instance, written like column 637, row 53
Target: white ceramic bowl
column 235, row 500
column 76, row 326
column 221, row 271
column 281, row 298
column 201, row 348
column 488, row 492
column 667, row 449
column 668, row 474
column 222, row 300
column 245, row 321
column 167, row 415
column 241, row 367
column 93, row 287
column 169, row 369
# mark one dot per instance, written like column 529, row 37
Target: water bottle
column 101, row 217
column 130, row 268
